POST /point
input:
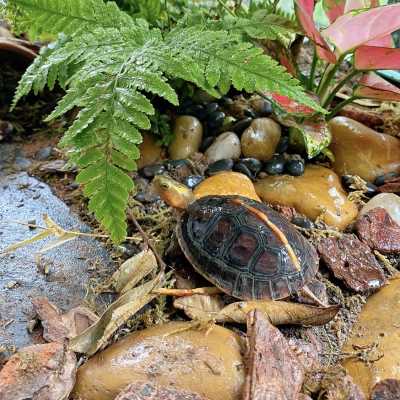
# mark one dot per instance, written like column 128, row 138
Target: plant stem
column 346, row 79
column 326, row 80
column 340, row 106
column 310, row 83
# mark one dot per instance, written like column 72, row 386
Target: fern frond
column 110, row 74
column 68, row 16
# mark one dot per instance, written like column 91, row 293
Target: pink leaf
column 371, row 58
column 334, row 9
column 352, row 30
column 373, row 86
column 304, row 12
column 385, row 41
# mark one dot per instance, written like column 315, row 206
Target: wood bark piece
column 379, row 231
column 273, row 371
column 39, row 372
column 352, row 261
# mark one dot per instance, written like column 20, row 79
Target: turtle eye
column 164, row 186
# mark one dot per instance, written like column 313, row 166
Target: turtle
column 240, row 245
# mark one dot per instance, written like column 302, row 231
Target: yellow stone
column 317, row 193
column 378, row 323
column 188, row 133
column 362, row 151
column 169, row 354
column 226, row 183
column 150, row 151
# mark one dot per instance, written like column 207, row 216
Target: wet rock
column 375, row 338
column 219, row 166
column 44, row 153
column 171, row 354
column 53, row 166
column 389, row 201
column 283, row 145
column 188, row 133
column 150, row 171
column 226, row 145
column 206, row 143
column 150, row 391
column 271, row 363
column 70, row 266
column 241, row 125
column 302, row 222
column 295, row 167
column 261, row 138
column 261, row 107
column 388, row 389
column 379, row 231
column 275, row 166
column 215, row 120
column 39, row 372
column 317, row 193
column 362, row 151
column 242, row 168
column 226, row 183
column 193, row 180
column 352, row 262
column 150, row 151
column 252, row 164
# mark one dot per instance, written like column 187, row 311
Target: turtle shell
column 245, row 248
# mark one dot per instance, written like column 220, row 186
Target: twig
column 146, row 239
column 188, row 292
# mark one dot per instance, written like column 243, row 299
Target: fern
column 110, row 65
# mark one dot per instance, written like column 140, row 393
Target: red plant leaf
column 334, row 9
column 372, row 58
column 304, row 12
column 352, row 30
column 288, row 105
column 385, row 41
column 373, row 86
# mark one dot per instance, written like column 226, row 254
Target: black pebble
column 275, row 166
column 303, row 222
column 172, row 164
column 347, row 180
column 242, row 168
column 150, row 171
column 371, row 189
column 192, row 181
column 197, row 110
column 266, row 109
column 212, row 107
column 221, row 165
column 250, row 113
column 380, row 180
column 215, row 119
column 283, row 144
column 252, row 164
column 206, row 143
column 241, row 125
column 295, row 167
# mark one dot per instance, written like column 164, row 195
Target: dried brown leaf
column 134, row 270
column 201, row 307
column 97, row 336
column 58, row 327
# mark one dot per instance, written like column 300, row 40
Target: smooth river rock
column 389, row 201
column 362, row 151
column 150, row 151
column 188, row 133
column 171, row 354
column 225, row 184
column 317, row 193
column 261, row 138
column 378, row 324
column 225, row 146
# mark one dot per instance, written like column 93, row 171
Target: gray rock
column 44, row 153
column 69, row 265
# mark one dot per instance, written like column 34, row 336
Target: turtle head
column 172, row 192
